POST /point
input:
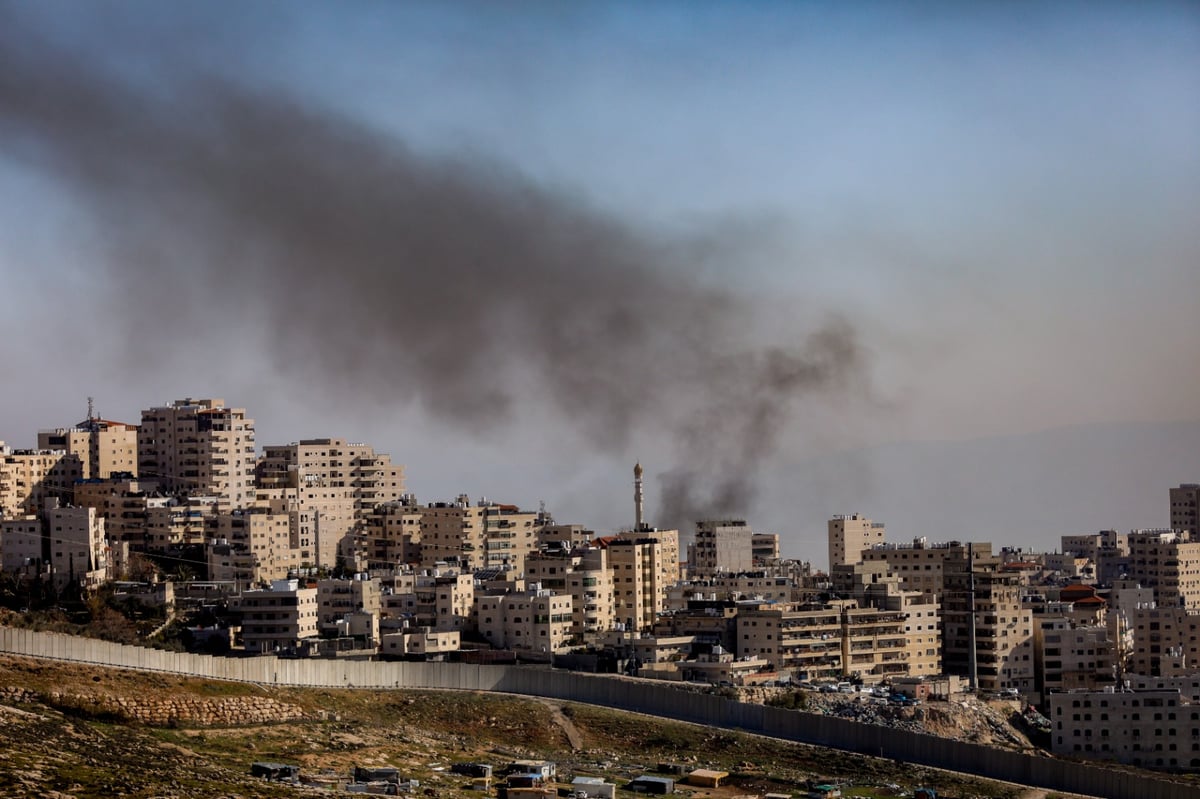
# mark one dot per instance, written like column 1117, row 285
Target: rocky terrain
column 75, row 731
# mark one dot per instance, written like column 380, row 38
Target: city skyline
column 969, row 222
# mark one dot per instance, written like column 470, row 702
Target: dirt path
column 565, row 724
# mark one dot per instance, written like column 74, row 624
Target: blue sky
column 1001, row 197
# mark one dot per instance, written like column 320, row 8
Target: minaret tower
column 637, row 496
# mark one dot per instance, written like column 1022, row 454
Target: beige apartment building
column 721, row 546
column 802, row 640
column 921, row 565
column 279, row 619
column 199, row 447
column 1070, row 657
column 644, row 566
column 78, row 549
column 339, row 599
column 564, row 536
column 757, row 585
column 29, row 477
column 1165, row 641
column 1093, row 545
column 1185, row 508
column 103, row 448
column 713, row 622
column 337, row 486
column 22, row 545
column 420, row 644
column 122, row 502
column 764, row 547
column 436, row 599
column 876, row 586
column 485, row 535
column 536, row 620
column 849, row 535
column 253, row 546
column 173, row 522
column 1168, row 562
column 1150, row 728
column 1004, row 643
column 392, row 533
column 584, row 574
column 1107, row 550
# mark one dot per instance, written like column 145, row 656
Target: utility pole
column 974, row 658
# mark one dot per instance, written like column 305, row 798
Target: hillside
column 78, row 731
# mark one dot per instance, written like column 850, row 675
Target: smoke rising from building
column 373, row 270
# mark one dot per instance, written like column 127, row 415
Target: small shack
column 543, row 768
column 592, row 788
column 824, row 792
column 649, row 784
column 706, row 778
column 477, row 770
column 276, row 772
column 377, row 774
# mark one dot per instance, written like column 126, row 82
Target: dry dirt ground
column 66, row 730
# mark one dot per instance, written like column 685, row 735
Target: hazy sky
column 519, row 245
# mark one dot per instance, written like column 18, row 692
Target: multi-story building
column 436, row 599
column 721, row 545
column 103, row 448
column 1003, row 628
column 804, row 640
column 582, row 573
column 279, row 619
column 764, row 547
column 921, row 565
column 1107, row 550
column 849, row 535
column 122, row 502
column 337, row 485
column 392, row 532
column 645, row 565
column 419, row 644
column 1168, row 562
column 263, row 531
column 758, row 585
column 1165, row 642
column 23, row 545
column 174, row 522
column 1151, row 728
column 199, row 447
column 337, row 599
column 537, row 620
column 564, row 536
column 876, row 586
column 708, row 621
column 1185, row 508
column 1070, row 657
column 29, row 477
column 78, row 550
column 486, row 535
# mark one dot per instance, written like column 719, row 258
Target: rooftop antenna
column 91, row 408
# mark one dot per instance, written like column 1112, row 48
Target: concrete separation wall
column 650, row 697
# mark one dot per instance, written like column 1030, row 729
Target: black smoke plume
column 402, row 277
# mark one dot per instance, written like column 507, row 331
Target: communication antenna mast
column 91, row 408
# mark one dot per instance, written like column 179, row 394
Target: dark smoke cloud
column 384, row 273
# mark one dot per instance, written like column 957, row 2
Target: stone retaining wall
column 202, row 711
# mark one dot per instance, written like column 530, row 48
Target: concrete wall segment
column 651, row 698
